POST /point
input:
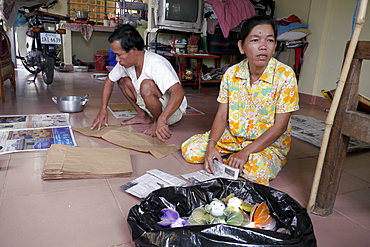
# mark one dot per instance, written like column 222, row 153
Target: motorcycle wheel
column 48, row 71
column 31, row 69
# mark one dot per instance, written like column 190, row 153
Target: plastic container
column 106, row 21
column 81, row 68
column 111, row 58
column 112, row 22
column 100, row 62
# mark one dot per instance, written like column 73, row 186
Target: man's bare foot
column 136, row 120
column 151, row 130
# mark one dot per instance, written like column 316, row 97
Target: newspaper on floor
column 154, row 179
column 122, row 110
column 20, row 133
column 221, row 171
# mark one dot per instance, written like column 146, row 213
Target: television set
column 182, row 15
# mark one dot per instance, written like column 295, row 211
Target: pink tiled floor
column 92, row 212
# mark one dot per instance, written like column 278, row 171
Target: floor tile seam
column 181, row 163
column 15, row 156
column 116, row 199
column 51, row 192
column 353, row 191
column 297, row 188
column 5, row 181
column 122, row 244
column 363, row 180
column 300, row 158
column 8, row 157
column 296, row 158
column 350, row 219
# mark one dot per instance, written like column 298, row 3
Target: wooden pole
column 360, row 20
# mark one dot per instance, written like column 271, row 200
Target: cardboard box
column 216, row 43
column 102, row 52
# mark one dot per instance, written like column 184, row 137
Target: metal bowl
column 82, row 14
column 70, row 103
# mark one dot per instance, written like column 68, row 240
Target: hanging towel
column 230, row 13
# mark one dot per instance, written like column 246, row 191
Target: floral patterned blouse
column 252, row 108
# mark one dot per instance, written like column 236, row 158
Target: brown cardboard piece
column 121, row 106
column 128, row 137
column 64, row 161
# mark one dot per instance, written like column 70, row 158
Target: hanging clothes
column 230, row 13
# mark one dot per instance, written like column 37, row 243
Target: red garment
column 287, row 20
column 230, row 13
column 292, row 18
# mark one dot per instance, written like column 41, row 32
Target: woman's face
column 259, row 46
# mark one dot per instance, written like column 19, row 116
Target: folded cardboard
column 68, row 162
column 127, row 137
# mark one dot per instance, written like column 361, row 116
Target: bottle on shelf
column 117, row 20
column 112, row 20
column 106, row 21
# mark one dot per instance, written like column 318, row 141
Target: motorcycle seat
column 47, row 18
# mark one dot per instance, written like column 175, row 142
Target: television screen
column 182, row 10
column 179, row 15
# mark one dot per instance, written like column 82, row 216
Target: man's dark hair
column 129, row 37
column 256, row 20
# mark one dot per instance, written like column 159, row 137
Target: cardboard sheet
column 128, row 137
column 64, row 161
column 126, row 110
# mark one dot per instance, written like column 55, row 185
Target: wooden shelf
column 100, row 28
column 210, row 81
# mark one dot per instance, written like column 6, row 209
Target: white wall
column 330, row 22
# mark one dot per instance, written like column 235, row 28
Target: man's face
column 126, row 59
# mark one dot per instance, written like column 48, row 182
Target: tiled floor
column 92, row 212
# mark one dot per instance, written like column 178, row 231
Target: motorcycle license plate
column 51, row 38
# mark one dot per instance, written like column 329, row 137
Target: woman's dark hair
column 256, row 20
column 129, row 37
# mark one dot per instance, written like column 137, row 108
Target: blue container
column 111, row 58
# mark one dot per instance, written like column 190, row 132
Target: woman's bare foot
column 151, row 130
column 136, row 120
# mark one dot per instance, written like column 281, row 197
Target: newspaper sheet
column 34, row 132
column 221, row 171
column 122, row 110
column 154, row 179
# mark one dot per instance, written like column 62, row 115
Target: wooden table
column 198, row 71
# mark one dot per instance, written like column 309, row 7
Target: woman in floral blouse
column 251, row 130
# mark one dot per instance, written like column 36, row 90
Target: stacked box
column 132, row 5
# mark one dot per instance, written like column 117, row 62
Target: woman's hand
column 211, row 154
column 238, row 160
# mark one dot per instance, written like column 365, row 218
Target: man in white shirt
column 149, row 83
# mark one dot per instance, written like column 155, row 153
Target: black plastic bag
column 285, row 210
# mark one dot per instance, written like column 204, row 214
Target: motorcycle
column 42, row 40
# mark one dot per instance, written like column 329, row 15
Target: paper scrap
column 154, row 179
column 221, row 171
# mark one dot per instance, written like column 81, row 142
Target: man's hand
column 101, row 118
column 162, row 131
